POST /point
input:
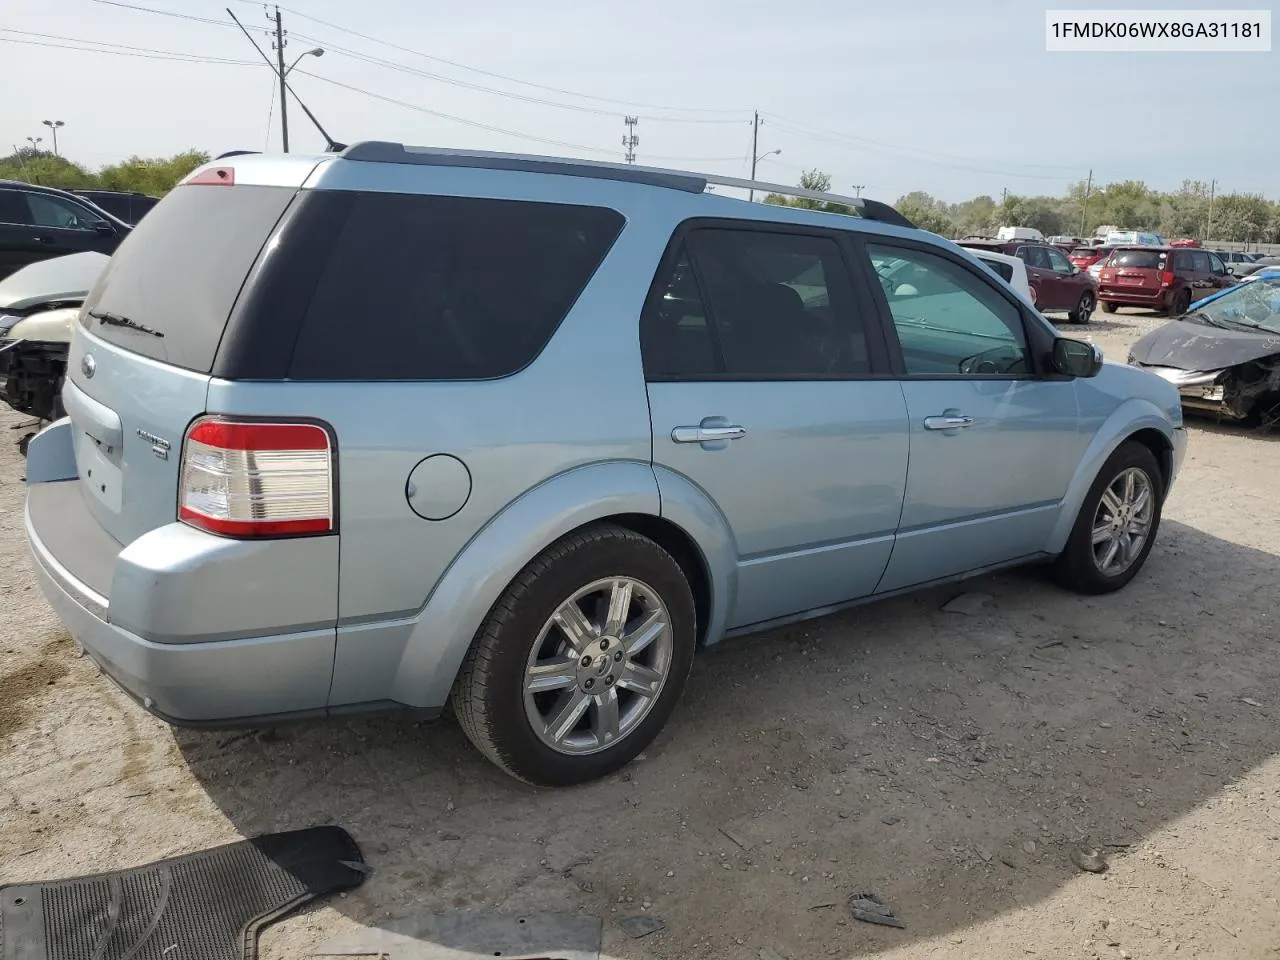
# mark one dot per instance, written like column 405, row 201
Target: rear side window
column 754, row 305
column 1142, row 259
column 179, row 272
column 1000, row 268
column 446, row 288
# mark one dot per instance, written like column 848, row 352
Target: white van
column 1019, row 233
column 1130, row 237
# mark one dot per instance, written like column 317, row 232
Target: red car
column 1086, row 257
column 1056, row 283
column 1160, row 278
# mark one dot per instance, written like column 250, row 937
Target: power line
column 331, row 47
column 488, row 126
column 164, row 13
column 142, row 53
column 860, row 143
column 897, row 146
column 496, row 76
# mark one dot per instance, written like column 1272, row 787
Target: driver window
column 775, row 305
column 949, row 320
column 1057, row 262
column 52, row 212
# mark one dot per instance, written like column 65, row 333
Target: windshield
column 1254, row 304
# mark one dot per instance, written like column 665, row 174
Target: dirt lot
column 947, row 763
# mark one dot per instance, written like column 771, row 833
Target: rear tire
column 558, row 705
column 1109, row 307
column 1083, row 565
column 1181, row 301
column 1084, row 309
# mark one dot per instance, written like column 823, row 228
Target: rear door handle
column 707, row 434
column 947, row 422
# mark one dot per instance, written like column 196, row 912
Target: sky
column 954, row 98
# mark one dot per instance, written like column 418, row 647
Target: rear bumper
column 1134, row 298
column 102, row 592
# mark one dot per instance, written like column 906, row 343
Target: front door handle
column 702, row 434
column 947, row 422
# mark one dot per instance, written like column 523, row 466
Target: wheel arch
column 622, row 492
column 1136, row 419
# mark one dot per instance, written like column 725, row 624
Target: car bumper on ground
column 226, row 681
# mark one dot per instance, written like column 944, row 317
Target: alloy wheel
column 598, row 665
column 1122, row 522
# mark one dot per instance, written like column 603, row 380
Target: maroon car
column 1056, row 283
column 1160, row 278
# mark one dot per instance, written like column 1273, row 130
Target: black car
column 37, row 223
column 127, row 206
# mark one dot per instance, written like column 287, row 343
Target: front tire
column 581, row 661
column 1117, row 523
column 1084, row 309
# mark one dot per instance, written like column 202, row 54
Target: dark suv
column 1160, row 278
column 1056, row 283
column 127, row 206
column 37, row 223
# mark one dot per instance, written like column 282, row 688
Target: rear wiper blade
column 115, row 320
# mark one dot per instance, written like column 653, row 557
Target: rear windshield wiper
column 115, row 320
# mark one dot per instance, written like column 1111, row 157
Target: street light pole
column 35, row 143
column 54, row 125
column 313, row 52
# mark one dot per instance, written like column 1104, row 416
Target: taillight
column 1166, row 278
column 245, row 479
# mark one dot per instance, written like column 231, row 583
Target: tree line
column 154, row 176
column 1191, row 211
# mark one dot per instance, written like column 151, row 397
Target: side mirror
column 1231, row 270
column 1074, row 269
column 1076, row 358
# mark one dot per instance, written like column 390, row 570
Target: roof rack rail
column 380, row 151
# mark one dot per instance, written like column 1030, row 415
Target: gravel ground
column 948, row 764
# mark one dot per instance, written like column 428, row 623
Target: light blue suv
column 404, row 427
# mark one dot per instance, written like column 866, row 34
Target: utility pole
column 1208, row 230
column 1004, row 195
column 755, row 147
column 284, row 99
column 1084, row 208
column 630, row 141
column 857, row 189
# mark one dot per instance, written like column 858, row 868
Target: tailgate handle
column 98, row 421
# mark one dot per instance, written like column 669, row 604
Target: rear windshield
column 178, row 273
column 1149, row 259
column 1086, row 252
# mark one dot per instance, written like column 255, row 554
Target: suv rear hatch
column 1135, row 272
column 140, row 364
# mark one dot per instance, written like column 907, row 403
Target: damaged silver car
column 1224, row 354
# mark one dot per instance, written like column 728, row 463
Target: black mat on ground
column 202, row 906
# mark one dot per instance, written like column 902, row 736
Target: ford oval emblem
column 88, row 366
